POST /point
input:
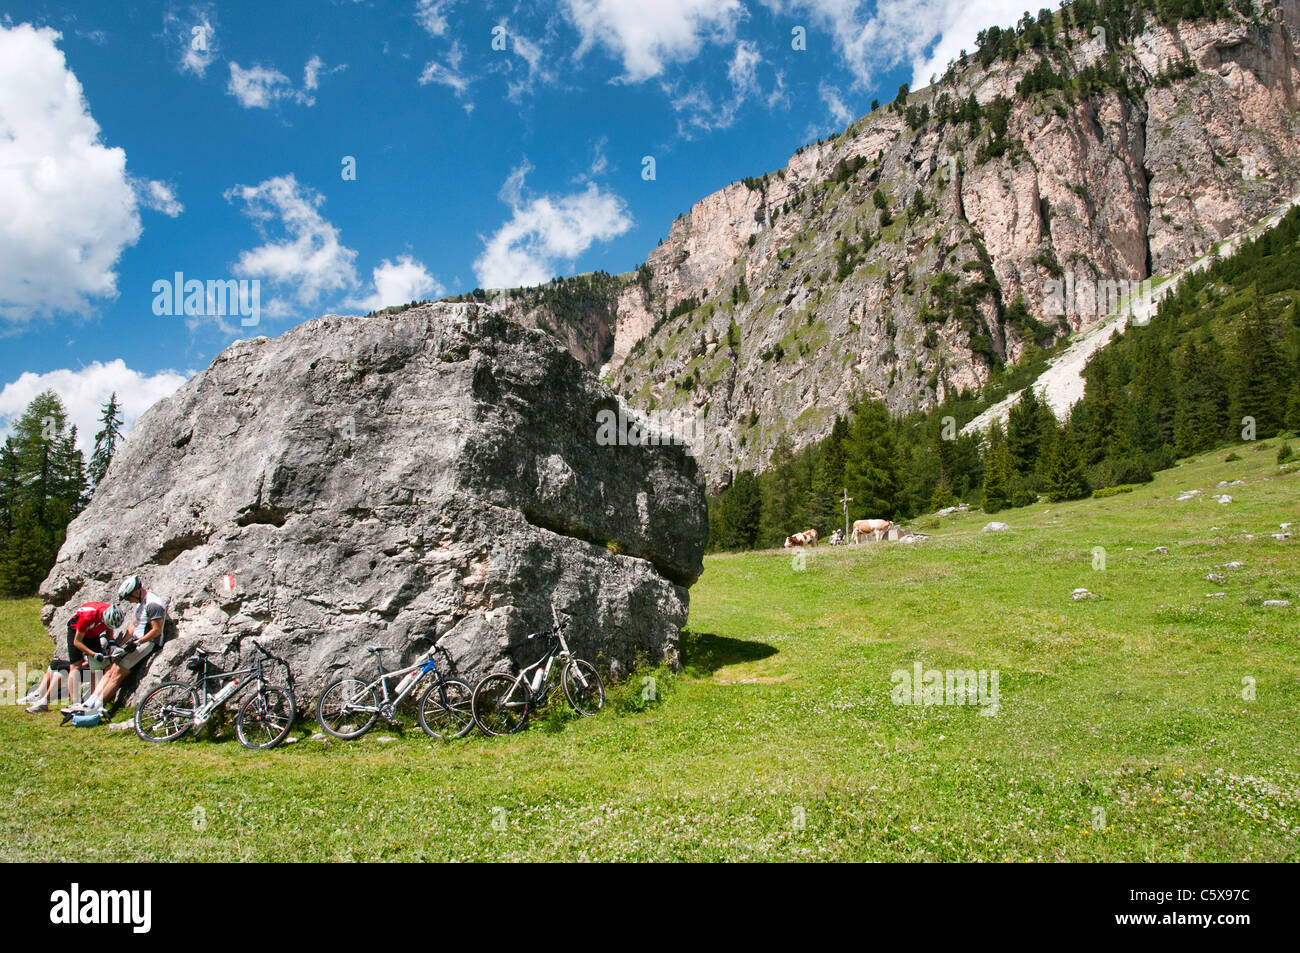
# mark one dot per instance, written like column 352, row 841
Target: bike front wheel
column 167, row 712
column 265, row 719
column 500, row 705
column 583, row 688
column 348, row 709
column 447, row 710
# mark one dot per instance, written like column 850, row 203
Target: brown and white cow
column 806, row 538
column 876, row 528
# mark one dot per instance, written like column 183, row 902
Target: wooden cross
column 846, row 501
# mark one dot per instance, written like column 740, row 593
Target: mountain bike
column 502, row 702
column 173, row 708
column 350, row 707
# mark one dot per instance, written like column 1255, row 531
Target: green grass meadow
column 1126, row 729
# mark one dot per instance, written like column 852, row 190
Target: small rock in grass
column 1284, row 525
column 1277, row 603
column 994, row 527
column 1162, row 550
column 1233, row 565
column 1215, row 576
column 319, row 736
column 1215, row 595
column 1083, row 594
column 291, row 740
column 120, row 726
column 1281, row 535
column 384, row 739
column 1222, row 498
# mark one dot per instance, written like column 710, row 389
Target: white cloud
column 311, row 73
column 955, row 27
column 194, row 36
column 432, row 15
column 649, row 36
column 159, row 196
column 309, row 261
column 401, row 282
column 924, row 33
column 85, row 391
column 257, row 87
column 448, row 74
column 547, row 230
column 841, row 114
column 533, row 54
column 701, row 113
column 67, row 206
column 260, row 87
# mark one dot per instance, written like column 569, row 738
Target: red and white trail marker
column 229, row 582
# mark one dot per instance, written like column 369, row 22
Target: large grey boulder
column 434, row 473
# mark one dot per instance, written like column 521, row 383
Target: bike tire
column 171, row 704
column 447, row 709
column 347, row 691
column 266, row 718
column 501, row 705
column 585, row 699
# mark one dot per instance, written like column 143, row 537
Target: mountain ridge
column 912, row 255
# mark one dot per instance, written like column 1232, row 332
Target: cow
column 876, row 528
column 806, row 538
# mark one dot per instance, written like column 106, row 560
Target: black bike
column 173, row 708
column 502, row 702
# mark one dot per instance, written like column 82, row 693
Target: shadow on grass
column 703, row 653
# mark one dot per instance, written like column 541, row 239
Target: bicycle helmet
column 129, row 585
column 113, row 616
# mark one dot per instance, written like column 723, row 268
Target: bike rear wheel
column 167, row 712
column 265, row 719
column 347, row 709
column 447, row 709
column 500, row 705
column 583, row 687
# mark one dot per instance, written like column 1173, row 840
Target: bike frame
column 428, row 665
column 208, row 704
column 559, row 648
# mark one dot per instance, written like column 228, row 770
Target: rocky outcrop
column 808, row 295
column 434, row 473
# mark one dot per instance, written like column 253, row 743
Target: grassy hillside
column 781, row 740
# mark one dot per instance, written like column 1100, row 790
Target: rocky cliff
column 432, row 473
column 892, row 260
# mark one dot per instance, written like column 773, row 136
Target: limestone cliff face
column 796, row 292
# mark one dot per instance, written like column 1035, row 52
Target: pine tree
column 741, row 510
column 1065, row 479
column 871, row 469
column 1259, row 379
column 824, row 511
column 779, row 495
column 1027, row 430
column 42, row 487
column 1201, row 418
column 998, row 467
column 106, row 441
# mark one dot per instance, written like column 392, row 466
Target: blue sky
column 494, row 144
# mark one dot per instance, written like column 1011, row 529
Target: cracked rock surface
column 434, row 473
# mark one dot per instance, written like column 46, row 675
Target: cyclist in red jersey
column 90, row 638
